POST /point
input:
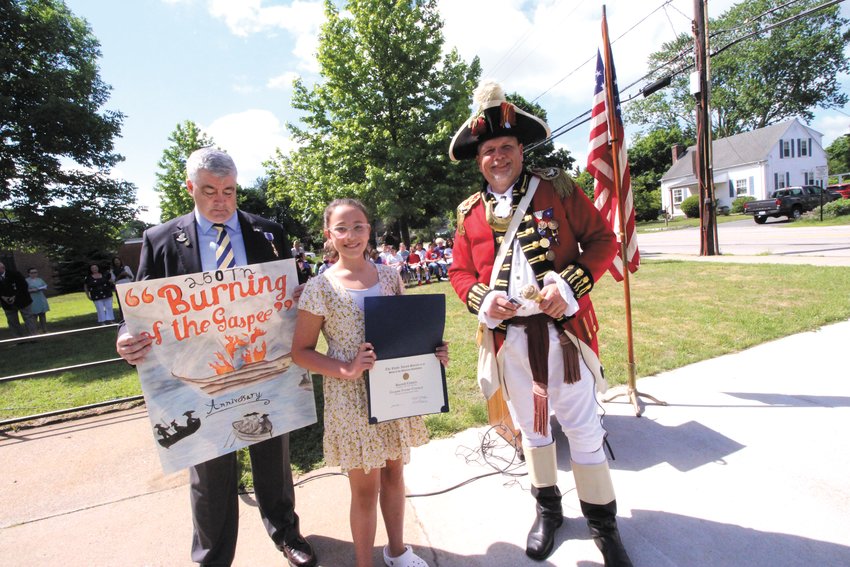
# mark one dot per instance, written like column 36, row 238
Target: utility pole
column 703, row 166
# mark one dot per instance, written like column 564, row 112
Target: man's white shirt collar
column 503, row 201
column 206, row 225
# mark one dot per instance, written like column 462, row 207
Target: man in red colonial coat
column 539, row 310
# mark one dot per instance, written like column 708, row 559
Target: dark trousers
column 215, row 503
column 15, row 323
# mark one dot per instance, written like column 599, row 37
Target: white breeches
column 574, row 405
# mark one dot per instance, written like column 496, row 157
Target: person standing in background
column 98, row 288
column 14, row 297
column 39, row 306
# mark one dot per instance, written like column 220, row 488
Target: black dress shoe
column 298, row 552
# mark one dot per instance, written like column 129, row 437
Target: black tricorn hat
column 495, row 117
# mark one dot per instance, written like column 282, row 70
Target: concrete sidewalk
column 748, row 465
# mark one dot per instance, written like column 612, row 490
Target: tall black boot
column 596, row 496
column 602, row 521
column 550, row 516
column 543, row 473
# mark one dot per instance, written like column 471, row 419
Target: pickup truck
column 789, row 202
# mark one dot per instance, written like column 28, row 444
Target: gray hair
column 212, row 160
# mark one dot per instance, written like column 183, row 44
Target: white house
column 753, row 163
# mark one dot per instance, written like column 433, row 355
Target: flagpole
column 632, row 392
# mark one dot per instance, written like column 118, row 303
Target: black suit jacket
column 14, row 284
column 171, row 249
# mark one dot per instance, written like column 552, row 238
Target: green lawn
column 677, row 223
column 683, row 312
column 682, row 222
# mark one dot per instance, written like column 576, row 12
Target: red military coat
column 583, row 239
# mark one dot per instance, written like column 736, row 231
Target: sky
column 228, row 65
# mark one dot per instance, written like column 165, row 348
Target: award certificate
column 407, row 378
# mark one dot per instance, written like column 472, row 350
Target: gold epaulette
column 563, row 183
column 464, row 208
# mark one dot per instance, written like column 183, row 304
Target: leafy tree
column 378, row 125
column 134, row 229
column 585, row 181
column 56, row 144
column 174, row 200
column 543, row 155
column 255, row 199
column 838, row 157
column 650, row 156
column 778, row 74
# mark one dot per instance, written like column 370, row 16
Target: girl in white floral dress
column 373, row 455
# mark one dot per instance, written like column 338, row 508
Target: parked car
column 789, row 202
column 842, row 189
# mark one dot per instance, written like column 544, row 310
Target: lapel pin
column 270, row 237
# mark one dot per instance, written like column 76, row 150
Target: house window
column 741, row 187
column 786, row 148
column 780, row 181
column 678, row 196
column 808, row 178
column 803, row 146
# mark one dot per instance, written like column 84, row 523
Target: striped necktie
column 224, row 258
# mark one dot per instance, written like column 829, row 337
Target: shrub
column 647, row 205
column 738, row 204
column 690, row 206
column 834, row 209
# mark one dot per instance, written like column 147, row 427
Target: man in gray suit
column 187, row 245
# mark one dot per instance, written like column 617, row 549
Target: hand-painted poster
column 220, row 375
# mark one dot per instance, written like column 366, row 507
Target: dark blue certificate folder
column 405, row 330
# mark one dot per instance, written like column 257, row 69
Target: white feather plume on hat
column 494, row 116
column 487, row 92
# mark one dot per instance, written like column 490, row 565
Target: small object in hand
column 531, row 292
column 514, row 301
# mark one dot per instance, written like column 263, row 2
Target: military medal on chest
column 547, row 228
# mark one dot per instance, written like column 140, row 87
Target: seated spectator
column 386, row 252
column 376, row 258
column 434, row 262
column 296, row 248
column 403, row 252
column 391, row 258
column 417, row 268
column 328, row 260
column 447, row 255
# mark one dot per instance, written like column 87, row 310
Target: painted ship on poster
column 242, row 360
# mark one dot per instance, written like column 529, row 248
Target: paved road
column 745, row 238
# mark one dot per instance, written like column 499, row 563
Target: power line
column 564, row 78
column 577, row 121
column 513, row 48
column 533, row 50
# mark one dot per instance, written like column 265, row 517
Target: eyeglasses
column 356, row 230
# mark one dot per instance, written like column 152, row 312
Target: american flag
column 600, row 165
